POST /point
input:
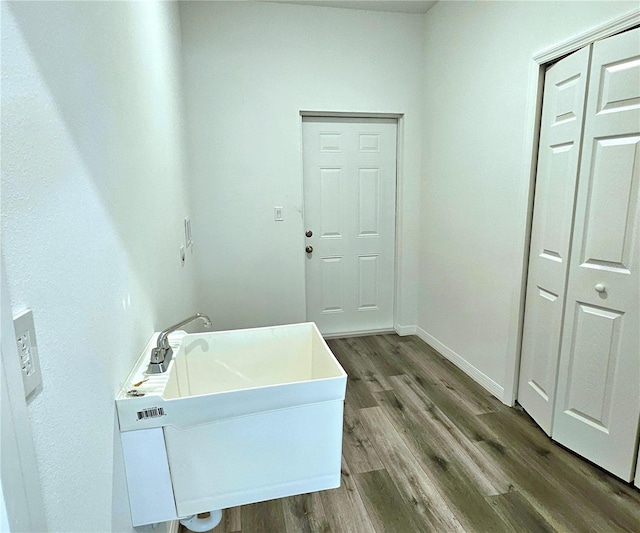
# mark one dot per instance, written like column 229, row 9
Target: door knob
column 309, row 233
column 309, row 249
column 600, row 287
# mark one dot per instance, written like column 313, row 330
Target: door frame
column 397, row 249
column 22, row 498
column 535, row 90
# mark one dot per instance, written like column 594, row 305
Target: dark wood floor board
column 387, row 510
column 305, row 514
column 358, row 394
column 623, row 493
column 263, row 517
column 555, row 506
column 453, row 378
column 516, row 511
column 231, row 521
column 443, row 374
column 618, row 501
column 344, row 507
column 356, row 447
column 358, row 364
column 547, row 475
column 414, row 484
column 446, row 435
column 358, row 391
column 384, row 353
column 387, row 361
column 432, row 394
column 344, row 352
column 427, row 449
column 450, row 472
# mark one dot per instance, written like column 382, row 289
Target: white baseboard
column 403, row 331
column 345, row 334
column 464, row 365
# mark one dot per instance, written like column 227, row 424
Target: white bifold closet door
column 598, row 395
column 580, row 366
column 558, row 157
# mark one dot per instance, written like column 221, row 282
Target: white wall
column 476, row 170
column 250, row 68
column 93, row 196
column 4, row 519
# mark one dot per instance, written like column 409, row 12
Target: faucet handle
column 157, row 355
column 162, row 353
column 159, row 361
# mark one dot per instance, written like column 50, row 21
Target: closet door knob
column 600, row 288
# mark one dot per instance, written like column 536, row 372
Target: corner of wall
column 480, row 377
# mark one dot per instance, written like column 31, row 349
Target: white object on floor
column 193, row 523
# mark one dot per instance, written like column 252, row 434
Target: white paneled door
column 349, row 214
column 598, row 400
column 558, row 157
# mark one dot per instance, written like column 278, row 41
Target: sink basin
column 253, row 370
column 245, row 415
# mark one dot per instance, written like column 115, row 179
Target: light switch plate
column 278, row 214
column 188, row 236
column 27, row 351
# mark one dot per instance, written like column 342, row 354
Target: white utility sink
column 239, row 417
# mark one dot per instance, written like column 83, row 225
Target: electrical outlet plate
column 27, row 351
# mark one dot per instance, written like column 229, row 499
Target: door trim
column 397, row 251
column 21, row 489
column 618, row 25
column 348, row 114
column 530, row 160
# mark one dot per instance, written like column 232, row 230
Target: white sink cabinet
column 239, row 417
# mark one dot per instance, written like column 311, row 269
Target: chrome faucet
column 161, row 355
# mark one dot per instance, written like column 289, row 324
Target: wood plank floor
column 427, row 449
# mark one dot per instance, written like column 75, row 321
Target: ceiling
column 394, row 6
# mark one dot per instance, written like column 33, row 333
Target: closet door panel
column 558, row 157
column 598, row 401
